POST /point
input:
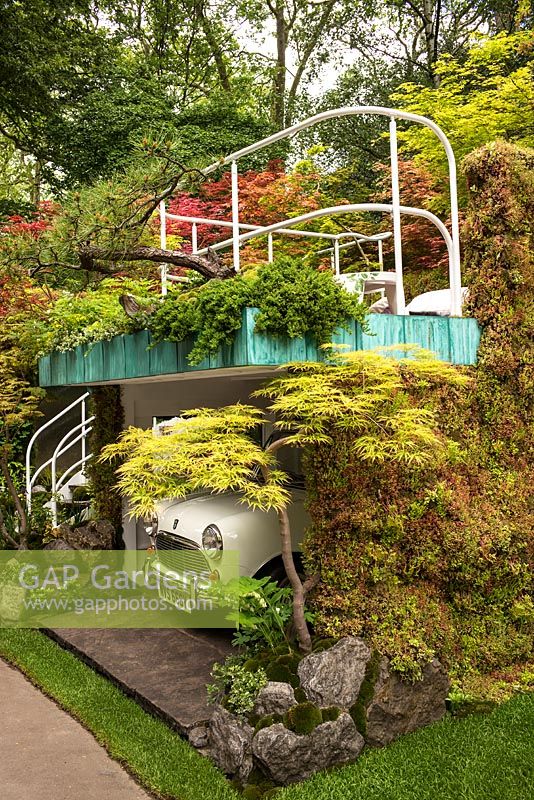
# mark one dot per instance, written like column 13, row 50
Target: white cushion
column 437, row 303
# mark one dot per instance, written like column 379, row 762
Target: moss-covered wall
column 106, row 405
column 440, row 562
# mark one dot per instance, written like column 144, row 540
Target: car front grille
column 180, row 554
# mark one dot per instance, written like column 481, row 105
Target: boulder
column 286, row 757
column 274, row 698
column 57, row 544
column 334, row 677
column 230, row 742
column 97, row 534
column 198, row 736
column 399, row 707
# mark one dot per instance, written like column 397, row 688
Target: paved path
column 47, row 755
column 164, row 670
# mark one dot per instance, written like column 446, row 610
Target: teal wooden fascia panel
column 464, row 335
column 431, row 333
column 58, row 363
column 163, row 358
column 75, row 366
column 94, row 362
column 114, row 365
column 45, row 372
column 384, row 330
column 136, row 355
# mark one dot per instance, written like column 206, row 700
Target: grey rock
column 57, row 544
column 334, row 677
column 198, row 736
column 400, row 707
column 97, row 534
column 274, row 698
column 230, row 741
column 287, row 757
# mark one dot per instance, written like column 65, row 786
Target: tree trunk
column 210, row 266
column 19, row 507
column 35, row 193
column 216, row 51
column 299, row 620
column 279, row 80
column 431, row 18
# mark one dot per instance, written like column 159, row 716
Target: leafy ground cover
column 481, row 757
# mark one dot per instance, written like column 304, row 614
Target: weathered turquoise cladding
column 133, row 356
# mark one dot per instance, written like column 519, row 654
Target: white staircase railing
column 66, row 443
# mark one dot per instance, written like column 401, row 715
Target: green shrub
column 303, row 718
column 235, row 687
column 293, row 299
column 96, row 315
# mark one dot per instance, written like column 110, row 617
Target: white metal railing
column 84, row 427
column 395, row 208
column 333, row 237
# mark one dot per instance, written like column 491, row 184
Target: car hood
column 189, row 517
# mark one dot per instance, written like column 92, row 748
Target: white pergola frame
column 452, row 237
column 333, row 237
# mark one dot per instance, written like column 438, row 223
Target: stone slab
column 164, row 670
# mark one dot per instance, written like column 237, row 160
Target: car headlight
column 151, row 525
column 212, row 541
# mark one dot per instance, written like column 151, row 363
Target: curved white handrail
column 63, row 477
column 393, row 114
column 334, row 113
column 333, row 210
column 223, row 223
column 63, row 446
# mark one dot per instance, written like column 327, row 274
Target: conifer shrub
column 294, row 299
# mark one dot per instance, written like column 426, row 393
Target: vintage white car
column 210, row 524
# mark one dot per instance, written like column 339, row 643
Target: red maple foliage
column 423, row 246
column 264, row 198
column 40, row 220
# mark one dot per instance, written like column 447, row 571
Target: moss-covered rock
column 358, row 710
column 281, row 673
column 303, row 718
column 330, row 714
column 300, row 695
column 266, row 721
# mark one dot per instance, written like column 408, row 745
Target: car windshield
column 290, row 461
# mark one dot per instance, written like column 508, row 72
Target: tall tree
column 415, row 33
column 305, row 37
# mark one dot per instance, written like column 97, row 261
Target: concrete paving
column 46, row 754
column 164, row 670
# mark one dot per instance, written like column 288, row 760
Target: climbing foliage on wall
column 439, row 562
column 106, row 405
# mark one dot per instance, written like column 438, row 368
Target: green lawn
column 489, row 757
column 154, row 754
column 481, row 757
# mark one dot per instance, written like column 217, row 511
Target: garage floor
column 165, row 671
